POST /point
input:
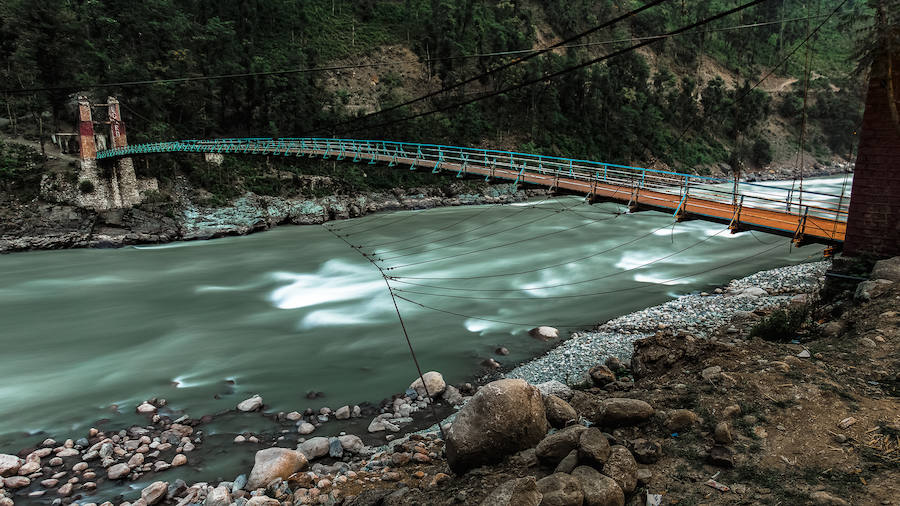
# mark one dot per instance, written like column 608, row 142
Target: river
column 90, row 333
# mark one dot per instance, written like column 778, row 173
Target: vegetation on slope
column 665, row 105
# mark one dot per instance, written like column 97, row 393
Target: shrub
column 86, row 186
column 762, row 153
column 782, row 325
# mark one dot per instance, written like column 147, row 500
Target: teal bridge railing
column 517, row 167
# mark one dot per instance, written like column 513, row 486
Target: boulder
column 251, row 404
column 559, row 412
column 118, row 471
column 146, row 409
column 621, row 467
column 342, row 413
column 681, row 420
column 871, row 289
column 556, row 446
column 544, row 333
column 219, row 496
column 314, row 447
column 273, row 463
column 518, row 492
column 601, row 375
column 452, row 396
column 14, row 482
column 503, row 417
column 556, row 388
column 560, row 489
column 599, row 490
column 434, row 383
column 568, row 463
column 623, row 412
column 887, row 269
column 262, row 500
column 593, row 447
column 155, row 492
column 351, row 443
column 9, row 464
column 305, row 428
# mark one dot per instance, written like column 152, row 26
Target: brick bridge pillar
column 123, row 177
column 873, row 224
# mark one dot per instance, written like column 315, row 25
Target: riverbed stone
column 252, row 404
column 146, row 408
column 314, row 447
column 305, row 428
column 342, row 413
column 118, row 471
column 351, row 443
column 15, row 482
column 621, row 467
column 517, row 492
column 601, row 375
column 560, row 489
column 559, row 412
column 434, row 382
column 273, row 463
column 155, row 492
column 179, row 460
column 503, row 417
column 544, row 333
column 219, row 496
column 9, row 464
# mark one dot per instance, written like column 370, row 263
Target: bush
column 86, row 186
column 782, row 325
column 762, row 153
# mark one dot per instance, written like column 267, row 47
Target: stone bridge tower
column 114, row 186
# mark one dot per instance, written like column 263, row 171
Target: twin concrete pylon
column 115, row 186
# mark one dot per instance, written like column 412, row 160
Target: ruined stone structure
column 873, row 225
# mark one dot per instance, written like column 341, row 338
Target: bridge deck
column 748, row 206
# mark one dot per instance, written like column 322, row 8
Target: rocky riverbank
column 47, row 224
column 704, row 410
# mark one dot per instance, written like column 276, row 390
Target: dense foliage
column 631, row 109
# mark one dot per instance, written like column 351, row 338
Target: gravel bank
column 696, row 314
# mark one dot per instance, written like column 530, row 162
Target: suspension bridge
column 805, row 216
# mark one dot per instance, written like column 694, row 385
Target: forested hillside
column 688, row 102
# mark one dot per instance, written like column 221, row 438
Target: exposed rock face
column 622, row 468
column 503, row 417
column 559, row 412
column 560, row 489
column 518, row 492
column 434, row 383
column 273, row 463
column 599, row 490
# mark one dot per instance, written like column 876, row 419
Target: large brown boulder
column 518, row 492
column 503, row 417
column 622, row 412
column 599, row 490
column 273, row 463
column 593, row 447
